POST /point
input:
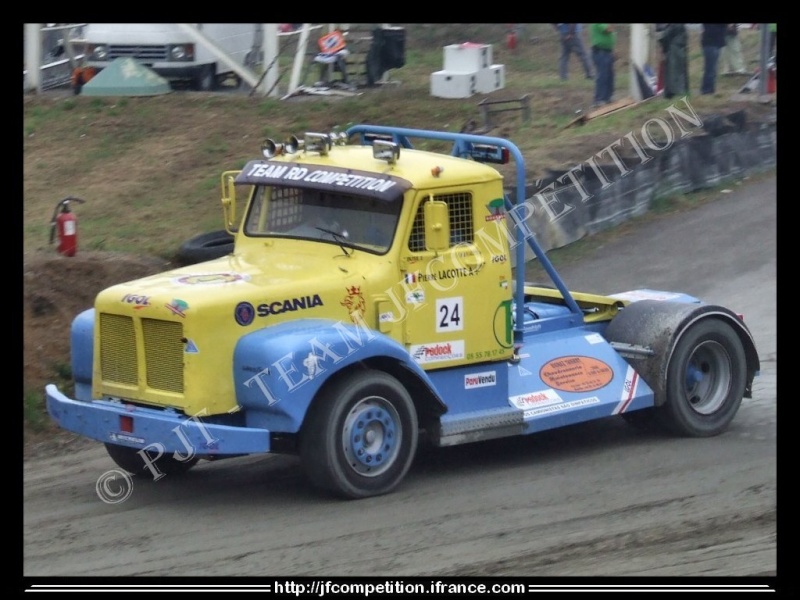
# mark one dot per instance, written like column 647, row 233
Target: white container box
column 491, row 79
column 467, row 58
column 449, row 84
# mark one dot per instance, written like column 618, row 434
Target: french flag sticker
column 411, row 278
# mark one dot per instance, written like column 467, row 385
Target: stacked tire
column 205, row 246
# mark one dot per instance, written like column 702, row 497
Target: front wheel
column 360, row 437
column 705, row 380
column 132, row 461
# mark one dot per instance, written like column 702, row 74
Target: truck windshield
column 348, row 220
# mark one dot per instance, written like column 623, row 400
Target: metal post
column 33, row 57
column 270, row 59
column 299, row 58
column 639, row 46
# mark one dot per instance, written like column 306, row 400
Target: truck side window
column 459, row 208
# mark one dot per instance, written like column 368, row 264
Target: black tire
column 205, row 246
column 360, row 437
column 705, row 380
column 205, row 79
column 130, row 460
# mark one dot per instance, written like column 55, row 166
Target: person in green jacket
column 603, row 38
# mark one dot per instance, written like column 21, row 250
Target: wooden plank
column 604, row 110
column 609, row 108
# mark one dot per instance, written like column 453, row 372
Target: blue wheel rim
column 372, row 436
column 708, row 378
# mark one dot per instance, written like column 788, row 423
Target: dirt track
column 600, row 499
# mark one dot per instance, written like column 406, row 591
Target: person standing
column 731, row 59
column 712, row 40
column 570, row 35
column 603, row 38
column 673, row 39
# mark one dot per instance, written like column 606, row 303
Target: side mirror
column 229, row 200
column 437, row 225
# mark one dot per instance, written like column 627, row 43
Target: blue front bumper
column 139, row 427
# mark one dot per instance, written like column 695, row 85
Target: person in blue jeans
column 570, row 35
column 712, row 40
column 603, row 37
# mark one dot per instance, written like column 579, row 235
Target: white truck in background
column 172, row 52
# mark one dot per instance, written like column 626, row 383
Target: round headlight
column 177, row 53
column 100, row 53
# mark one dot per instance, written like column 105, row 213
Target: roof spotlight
column 293, row 144
column 388, row 151
column 317, row 142
column 338, row 139
column 270, row 149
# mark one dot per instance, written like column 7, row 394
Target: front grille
column 143, row 53
column 163, row 352
column 118, row 360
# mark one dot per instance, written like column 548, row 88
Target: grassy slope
column 149, row 167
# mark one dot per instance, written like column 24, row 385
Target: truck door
column 457, row 297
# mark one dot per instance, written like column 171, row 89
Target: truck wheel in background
column 205, row 79
column 360, row 436
column 705, row 380
column 131, row 461
column 205, row 246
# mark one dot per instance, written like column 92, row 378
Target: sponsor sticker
column 437, row 352
column 415, row 297
column 122, row 437
column 553, row 408
column 479, row 380
column 534, row 399
column 576, row 374
column 137, row 301
column 178, row 307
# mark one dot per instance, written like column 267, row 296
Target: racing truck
column 374, row 298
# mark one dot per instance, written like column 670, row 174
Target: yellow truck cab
column 376, row 291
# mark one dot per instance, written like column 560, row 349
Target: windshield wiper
column 338, row 237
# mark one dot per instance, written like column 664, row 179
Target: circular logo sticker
column 576, row 374
column 244, row 313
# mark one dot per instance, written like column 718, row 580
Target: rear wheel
column 359, row 440
column 132, row 461
column 705, row 380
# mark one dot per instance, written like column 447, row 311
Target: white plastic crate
column 449, row 84
column 467, row 58
column 491, row 79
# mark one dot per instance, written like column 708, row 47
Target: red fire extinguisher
column 65, row 224
column 511, row 38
